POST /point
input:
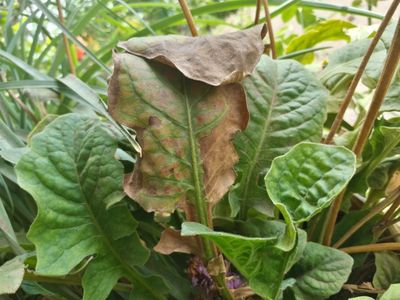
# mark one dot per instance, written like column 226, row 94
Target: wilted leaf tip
column 215, row 60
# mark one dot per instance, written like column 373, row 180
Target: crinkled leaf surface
column 71, row 173
column 329, row 30
column 11, row 275
column 214, row 60
column 182, row 125
column 287, row 106
column 263, row 260
column 320, row 272
column 387, row 269
column 308, row 178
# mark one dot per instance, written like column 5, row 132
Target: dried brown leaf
column 171, row 241
column 185, row 128
column 215, row 60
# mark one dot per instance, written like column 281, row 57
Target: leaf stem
column 270, row 29
column 372, row 248
column 189, row 17
column 258, row 9
column 389, row 69
column 362, row 288
column 373, row 212
column 66, row 43
column 69, row 280
column 357, row 77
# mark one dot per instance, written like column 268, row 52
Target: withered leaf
column 171, row 241
column 185, row 129
column 215, row 60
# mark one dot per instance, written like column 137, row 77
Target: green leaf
column 11, row 275
column 263, row 260
column 287, row 106
column 344, row 63
column 391, row 101
column 393, row 293
column 70, row 35
column 320, row 272
column 306, row 179
column 182, row 126
column 363, row 236
column 8, row 232
column 71, row 173
column 381, row 143
column 362, row 298
column 329, row 30
column 8, row 139
column 387, row 269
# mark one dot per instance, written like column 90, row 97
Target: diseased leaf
column 263, row 260
column 71, row 173
column 393, row 293
column 329, row 30
column 182, row 125
column 320, row 272
column 287, row 106
column 306, row 179
column 387, row 269
column 11, row 275
column 218, row 60
column 172, row 241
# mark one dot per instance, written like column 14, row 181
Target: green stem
column 200, row 202
column 69, row 280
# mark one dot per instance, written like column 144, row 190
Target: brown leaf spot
column 171, row 241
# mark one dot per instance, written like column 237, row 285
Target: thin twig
column 189, row 18
column 362, row 288
column 270, row 30
column 66, row 42
column 23, row 107
column 332, row 216
column 373, row 212
column 382, row 87
column 389, row 69
column 258, row 10
column 383, row 223
column 357, row 77
column 372, row 248
column 389, row 237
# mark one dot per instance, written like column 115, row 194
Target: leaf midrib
column 257, row 153
column 105, row 238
